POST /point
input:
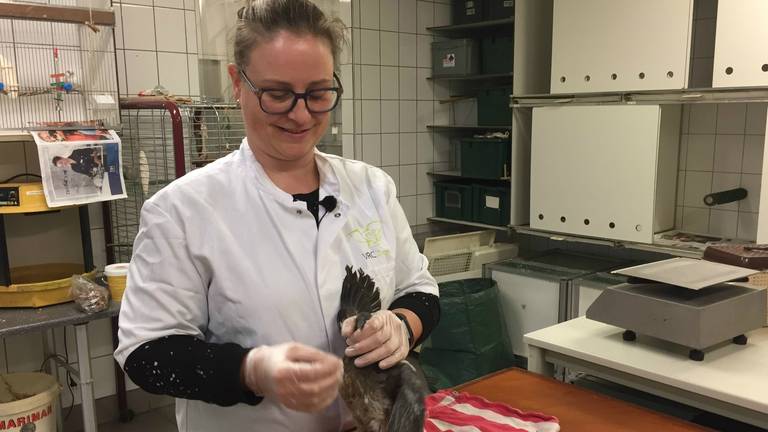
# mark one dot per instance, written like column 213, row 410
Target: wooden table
column 577, row 409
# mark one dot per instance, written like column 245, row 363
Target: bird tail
column 408, row 409
column 359, row 295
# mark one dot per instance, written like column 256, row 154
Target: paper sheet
column 80, row 166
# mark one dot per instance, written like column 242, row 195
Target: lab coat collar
column 331, row 183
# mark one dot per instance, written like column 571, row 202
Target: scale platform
column 697, row 319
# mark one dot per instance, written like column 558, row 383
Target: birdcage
column 57, row 65
column 163, row 140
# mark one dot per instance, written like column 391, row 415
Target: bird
column 380, row 400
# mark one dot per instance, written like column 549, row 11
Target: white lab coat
column 226, row 256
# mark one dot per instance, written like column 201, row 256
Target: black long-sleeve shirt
column 186, row 367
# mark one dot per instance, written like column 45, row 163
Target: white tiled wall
column 721, row 148
column 157, row 43
column 703, row 52
column 392, row 101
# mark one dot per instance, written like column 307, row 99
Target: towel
column 450, row 411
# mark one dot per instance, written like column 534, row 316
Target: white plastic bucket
column 117, row 276
column 28, row 402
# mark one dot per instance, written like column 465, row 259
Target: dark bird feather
column 380, row 400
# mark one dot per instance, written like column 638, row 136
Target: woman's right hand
column 299, row 377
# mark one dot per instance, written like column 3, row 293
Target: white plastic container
column 28, row 402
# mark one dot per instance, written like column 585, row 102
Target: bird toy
column 62, row 81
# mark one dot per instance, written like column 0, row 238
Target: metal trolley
column 163, row 140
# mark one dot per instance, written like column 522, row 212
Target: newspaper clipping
column 80, row 166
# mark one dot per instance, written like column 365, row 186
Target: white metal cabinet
column 529, row 302
column 605, row 171
column 611, row 45
column 741, row 53
column 585, row 290
column 534, row 292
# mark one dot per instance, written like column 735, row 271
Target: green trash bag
column 471, row 339
column 470, row 318
column 446, row 368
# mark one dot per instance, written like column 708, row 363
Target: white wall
column 721, row 148
column 157, row 43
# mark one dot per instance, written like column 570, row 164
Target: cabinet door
column 741, row 54
column 610, row 45
column 594, row 170
column 529, row 301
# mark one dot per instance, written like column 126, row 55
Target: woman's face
column 286, row 61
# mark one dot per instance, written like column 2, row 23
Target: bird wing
column 359, row 294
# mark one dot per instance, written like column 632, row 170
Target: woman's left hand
column 383, row 339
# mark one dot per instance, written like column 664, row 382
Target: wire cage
column 56, row 72
column 161, row 142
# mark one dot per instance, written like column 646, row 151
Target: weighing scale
column 685, row 301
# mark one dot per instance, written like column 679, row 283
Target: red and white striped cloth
column 449, row 411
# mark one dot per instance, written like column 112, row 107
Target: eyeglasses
column 282, row 101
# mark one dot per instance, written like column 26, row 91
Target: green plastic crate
column 485, row 158
column 496, row 54
column 493, row 107
column 499, row 9
column 468, row 11
column 453, row 200
column 455, row 57
column 491, row 204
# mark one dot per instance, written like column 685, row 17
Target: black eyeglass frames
column 282, row 101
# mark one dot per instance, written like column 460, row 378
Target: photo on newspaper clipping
column 80, row 166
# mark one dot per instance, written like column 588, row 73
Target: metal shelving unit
column 474, row 224
column 467, row 127
column 465, row 87
column 15, row 136
column 473, row 77
column 666, row 249
column 654, row 97
column 460, row 29
column 457, row 174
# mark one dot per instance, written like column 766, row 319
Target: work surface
column 25, row 320
column 734, row 374
column 577, row 409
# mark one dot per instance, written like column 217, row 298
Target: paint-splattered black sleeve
column 425, row 306
column 189, row 368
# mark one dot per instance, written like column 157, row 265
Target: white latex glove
column 299, row 377
column 383, row 339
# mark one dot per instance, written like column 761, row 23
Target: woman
column 234, row 284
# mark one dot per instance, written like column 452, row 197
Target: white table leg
column 49, row 350
column 537, row 363
column 86, row 378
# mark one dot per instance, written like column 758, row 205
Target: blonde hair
column 259, row 20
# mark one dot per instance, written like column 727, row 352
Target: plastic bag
column 471, row 339
column 90, row 296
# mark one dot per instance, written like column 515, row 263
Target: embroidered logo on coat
column 371, row 237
